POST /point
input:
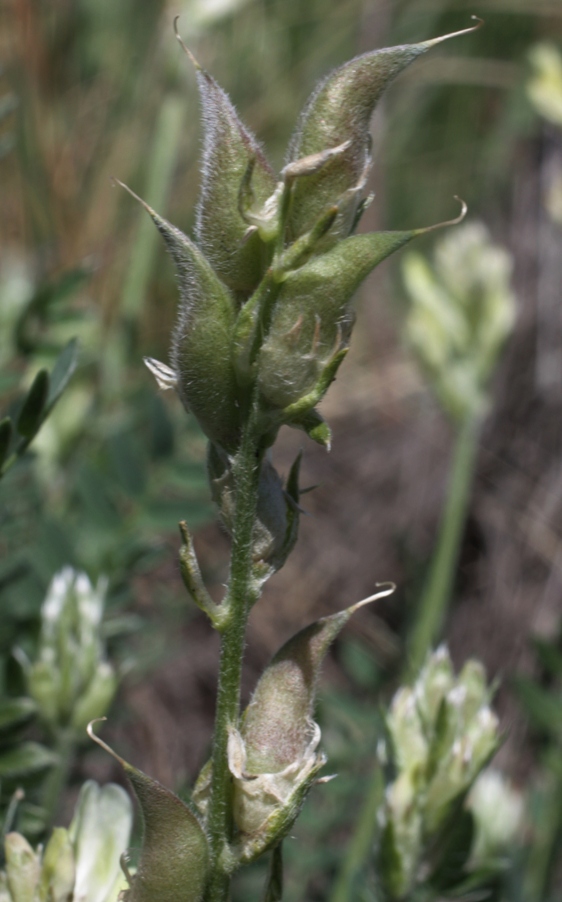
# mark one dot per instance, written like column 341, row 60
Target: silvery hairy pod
column 338, row 111
column 174, row 855
column 71, row 680
column 277, row 516
column 81, row 864
column 462, row 311
column 274, row 757
column 441, row 734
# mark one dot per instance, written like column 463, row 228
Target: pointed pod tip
column 384, row 589
column 130, row 191
column 101, row 743
column 448, row 222
column 456, row 34
column 184, row 46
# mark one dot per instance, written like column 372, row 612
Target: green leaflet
column 173, row 865
column 339, row 110
column 230, row 154
column 312, row 318
column 201, row 354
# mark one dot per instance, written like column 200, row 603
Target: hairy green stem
column 361, row 843
column 246, row 470
column 436, row 593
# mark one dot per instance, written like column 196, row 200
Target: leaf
column 62, row 371
column 543, row 708
column 274, row 886
column 174, row 853
column 32, row 412
column 453, row 848
column 16, row 713
column 25, row 758
column 549, row 656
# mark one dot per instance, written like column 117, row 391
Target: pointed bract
column 174, row 854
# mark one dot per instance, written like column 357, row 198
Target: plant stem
column 246, row 471
column 438, row 585
column 360, row 845
column 57, row 778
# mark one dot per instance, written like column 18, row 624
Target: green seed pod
column 201, row 346
column 229, row 149
column 274, row 757
column 340, row 110
column 312, row 319
column 174, row 854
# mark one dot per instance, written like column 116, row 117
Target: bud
column 544, row 87
column 58, row 868
column 99, row 833
column 462, row 310
column 498, row 810
column 71, row 677
column 174, row 853
column 22, row 868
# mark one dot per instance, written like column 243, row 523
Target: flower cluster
column 441, row 734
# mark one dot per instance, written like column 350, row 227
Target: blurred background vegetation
column 91, row 89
